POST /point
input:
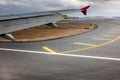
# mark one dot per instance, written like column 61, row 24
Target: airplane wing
column 11, row 23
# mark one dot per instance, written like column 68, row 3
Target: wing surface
column 11, row 23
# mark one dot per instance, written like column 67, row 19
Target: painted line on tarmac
column 48, row 49
column 102, row 39
column 113, row 32
column 58, row 54
column 109, row 35
column 86, row 44
column 19, row 50
column 99, row 45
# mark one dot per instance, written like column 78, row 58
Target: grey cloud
column 98, row 7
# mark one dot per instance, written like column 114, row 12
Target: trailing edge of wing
column 19, row 24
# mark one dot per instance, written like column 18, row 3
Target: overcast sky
column 98, row 7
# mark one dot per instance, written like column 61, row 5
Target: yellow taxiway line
column 101, row 39
column 86, row 44
column 112, row 32
column 49, row 50
column 109, row 35
column 91, row 47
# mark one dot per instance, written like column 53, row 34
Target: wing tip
column 84, row 9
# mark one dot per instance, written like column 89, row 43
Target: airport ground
column 93, row 55
column 44, row 32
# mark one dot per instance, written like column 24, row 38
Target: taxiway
column 93, row 55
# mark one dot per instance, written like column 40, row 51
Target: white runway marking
column 59, row 54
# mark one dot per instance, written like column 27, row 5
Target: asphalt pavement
column 93, row 55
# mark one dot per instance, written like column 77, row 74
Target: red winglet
column 84, row 10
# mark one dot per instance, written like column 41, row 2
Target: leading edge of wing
column 11, row 23
column 45, row 13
